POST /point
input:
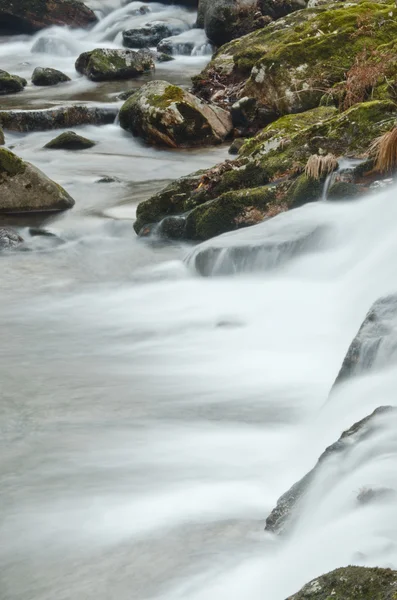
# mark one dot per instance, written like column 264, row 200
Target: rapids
column 151, row 417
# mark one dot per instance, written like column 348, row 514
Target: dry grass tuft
column 318, row 166
column 385, row 150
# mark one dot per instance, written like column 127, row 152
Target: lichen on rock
column 105, row 64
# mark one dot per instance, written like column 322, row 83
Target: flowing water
column 150, row 417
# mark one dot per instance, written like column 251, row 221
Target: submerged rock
column 56, row 118
column 151, row 34
column 104, row 64
column 375, row 344
column 282, row 517
column 69, row 140
column 46, row 76
column 166, row 115
column 351, row 583
column 49, row 44
column 8, row 237
column 24, row 188
column 27, row 16
column 10, row 84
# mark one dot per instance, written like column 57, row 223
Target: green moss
column 343, row 190
column 304, row 190
column 10, row 163
column 69, row 141
column 351, row 583
column 229, row 211
column 172, row 93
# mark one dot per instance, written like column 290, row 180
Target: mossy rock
column 46, row 77
column 230, row 211
column 24, row 188
column 289, row 64
column 166, row 115
column 343, row 190
column 226, row 20
column 351, row 583
column 69, row 140
column 104, row 64
column 11, row 84
column 27, row 16
column 305, row 190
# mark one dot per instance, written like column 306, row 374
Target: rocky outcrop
column 275, row 158
column 24, row 188
column 225, row 20
column 152, row 33
column 56, row 118
column 351, row 583
column 69, row 140
column 11, row 84
column 27, row 16
column 166, row 115
column 104, row 64
column 46, row 76
column 9, row 238
column 375, row 344
column 300, row 61
column 282, row 517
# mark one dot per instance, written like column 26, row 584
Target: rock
column 69, row 140
column 236, row 145
column 162, row 57
column 343, row 190
column 108, row 179
column 166, row 115
column 225, row 20
column 27, row 16
column 248, row 116
column 11, row 84
column 24, row 188
column 291, row 63
column 9, row 238
column 172, row 228
column 304, row 190
column 49, row 44
column 151, row 34
column 281, row 8
column 104, row 64
column 281, row 518
column 56, row 118
column 46, row 76
column 2, row 140
column 351, row 583
column 171, row 45
column 378, row 494
column 375, row 345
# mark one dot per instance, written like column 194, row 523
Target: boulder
column 343, row 190
column 46, row 76
column 24, row 188
column 172, row 45
column 56, row 118
column 225, row 20
column 151, row 34
column 282, row 517
column 27, row 16
column 375, row 345
column 166, row 115
column 10, row 84
column 351, row 583
column 69, row 140
column 104, row 64
column 9, row 238
column 298, row 62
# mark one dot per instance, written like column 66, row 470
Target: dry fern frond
column 318, row 166
column 385, row 150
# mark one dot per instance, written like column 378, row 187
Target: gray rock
column 24, row 188
column 46, row 76
column 375, row 344
column 9, row 238
column 56, row 118
column 11, row 84
column 26, row 16
column 150, row 34
column 166, row 115
column 282, row 517
column 171, row 45
column 104, row 64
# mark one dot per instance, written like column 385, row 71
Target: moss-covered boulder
column 43, row 76
column 56, row 118
column 343, row 190
column 166, row 115
column 283, row 516
column 290, row 64
column 26, row 16
column 24, row 188
column 104, row 64
column 351, row 583
column 69, row 140
column 11, row 84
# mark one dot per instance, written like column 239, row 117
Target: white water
column 150, row 418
